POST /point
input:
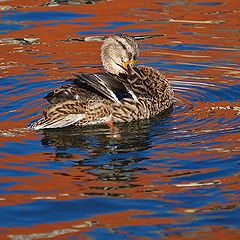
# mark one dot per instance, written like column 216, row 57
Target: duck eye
column 129, row 55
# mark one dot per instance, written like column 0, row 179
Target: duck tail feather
column 62, row 121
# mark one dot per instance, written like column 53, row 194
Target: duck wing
column 107, row 85
column 110, row 86
column 61, row 114
column 65, row 92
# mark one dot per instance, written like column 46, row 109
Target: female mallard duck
column 123, row 93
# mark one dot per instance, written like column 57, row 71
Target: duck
column 123, row 92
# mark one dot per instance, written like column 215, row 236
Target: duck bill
column 126, row 65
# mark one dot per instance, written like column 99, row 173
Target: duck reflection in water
column 109, row 158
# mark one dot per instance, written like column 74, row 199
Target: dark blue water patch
column 52, row 24
column 105, row 233
column 169, row 65
column 114, row 32
column 4, row 185
column 222, row 63
column 210, row 92
column 20, row 86
column 20, row 149
column 8, row 192
column 213, row 193
column 190, row 47
column 6, row 27
column 169, row 3
column 189, row 24
column 15, row 16
column 79, row 23
column 41, row 56
column 19, row 78
column 187, row 33
column 207, row 3
column 5, row 172
column 149, row 232
column 232, row 92
column 113, row 25
column 226, row 218
column 75, row 23
column 222, row 93
column 222, row 168
column 175, row 67
column 50, row 164
column 190, row 201
column 127, row 232
column 50, row 211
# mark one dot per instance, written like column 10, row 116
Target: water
column 172, row 177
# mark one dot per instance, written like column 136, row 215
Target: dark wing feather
column 107, row 85
column 69, row 92
column 110, row 86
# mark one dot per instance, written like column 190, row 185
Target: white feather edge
column 114, row 95
column 68, row 120
column 110, row 91
column 133, row 95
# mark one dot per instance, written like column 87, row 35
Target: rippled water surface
column 172, row 177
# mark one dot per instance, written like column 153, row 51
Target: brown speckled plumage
column 140, row 92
